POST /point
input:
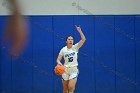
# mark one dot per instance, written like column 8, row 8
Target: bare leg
column 65, row 86
column 72, row 84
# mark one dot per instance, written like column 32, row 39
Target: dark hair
column 68, row 37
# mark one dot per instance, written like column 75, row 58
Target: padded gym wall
column 108, row 61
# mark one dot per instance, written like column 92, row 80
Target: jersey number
column 70, row 59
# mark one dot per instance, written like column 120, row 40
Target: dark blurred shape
column 16, row 32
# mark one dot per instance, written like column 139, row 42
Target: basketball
column 59, row 69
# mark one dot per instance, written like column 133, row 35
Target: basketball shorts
column 70, row 73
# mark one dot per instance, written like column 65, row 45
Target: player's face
column 69, row 41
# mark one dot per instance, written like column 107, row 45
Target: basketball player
column 69, row 53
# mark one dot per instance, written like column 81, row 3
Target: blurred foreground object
column 16, row 33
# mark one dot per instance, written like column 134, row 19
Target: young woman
column 69, row 53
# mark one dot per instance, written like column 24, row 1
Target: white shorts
column 70, row 73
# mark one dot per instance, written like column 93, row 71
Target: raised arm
column 15, row 8
column 83, row 39
column 16, row 31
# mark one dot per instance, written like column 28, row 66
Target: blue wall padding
column 109, row 61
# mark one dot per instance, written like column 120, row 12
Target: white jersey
column 70, row 55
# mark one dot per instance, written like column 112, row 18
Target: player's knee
column 71, row 88
column 65, row 89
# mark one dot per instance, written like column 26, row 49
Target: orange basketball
column 59, row 69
